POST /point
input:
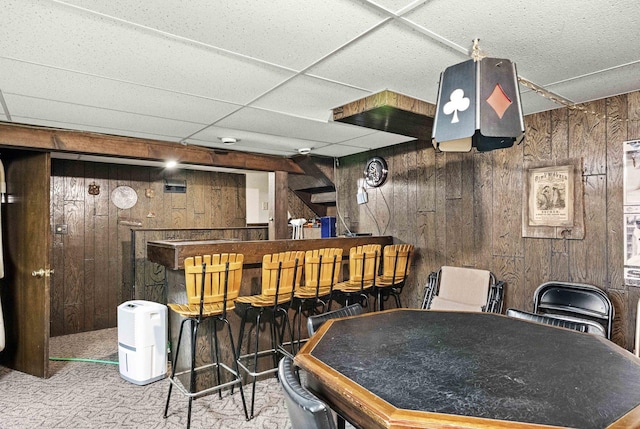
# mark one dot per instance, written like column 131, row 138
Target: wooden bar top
column 172, row 253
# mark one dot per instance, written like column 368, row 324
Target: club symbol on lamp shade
column 457, row 102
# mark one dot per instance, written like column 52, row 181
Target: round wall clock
column 375, row 173
column 124, row 197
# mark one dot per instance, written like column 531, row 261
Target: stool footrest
column 176, row 381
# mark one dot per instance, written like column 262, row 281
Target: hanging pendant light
column 478, row 106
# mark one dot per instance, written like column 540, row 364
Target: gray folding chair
column 463, row 289
column 577, row 302
column 541, row 318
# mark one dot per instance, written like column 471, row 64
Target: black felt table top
column 484, row 365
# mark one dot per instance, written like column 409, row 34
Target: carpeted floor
column 93, row 395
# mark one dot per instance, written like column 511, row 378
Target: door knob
column 42, row 273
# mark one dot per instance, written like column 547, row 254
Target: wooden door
column 26, row 299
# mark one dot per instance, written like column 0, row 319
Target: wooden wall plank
column 426, row 177
column 633, row 126
column 537, row 141
column 616, row 132
column 411, row 160
column 468, row 251
column 400, row 193
column 453, row 175
column 560, row 133
column 508, row 183
column 588, row 259
column 483, row 210
column 587, row 137
column 511, row 271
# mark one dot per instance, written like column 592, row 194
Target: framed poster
column 550, row 199
column 553, row 199
column 631, row 212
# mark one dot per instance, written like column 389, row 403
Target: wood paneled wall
column 465, row 209
column 92, row 262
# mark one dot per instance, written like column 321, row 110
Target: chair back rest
column 281, row 272
column 305, row 410
column 396, row 261
column 541, row 318
column 576, row 301
column 215, row 277
column 314, row 322
column 364, row 262
column 465, row 285
column 322, row 266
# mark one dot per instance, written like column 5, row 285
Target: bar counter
column 172, row 253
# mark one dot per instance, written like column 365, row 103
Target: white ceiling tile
column 548, row 40
column 377, row 140
column 252, row 142
column 611, row 82
column 337, row 150
column 256, row 120
column 27, row 109
column 534, row 103
column 55, row 84
column 97, row 45
column 393, row 57
column 309, row 30
column 309, row 97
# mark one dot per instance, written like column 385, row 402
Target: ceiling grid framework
column 270, row 73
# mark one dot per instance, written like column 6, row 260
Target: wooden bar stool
column 396, row 264
column 281, row 275
column 321, row 272
column 363, row 269
column 212, row 284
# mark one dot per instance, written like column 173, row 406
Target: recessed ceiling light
column 229, row 140
column 304, row 150
column 171, row 164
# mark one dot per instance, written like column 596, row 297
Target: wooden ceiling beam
column 56, row 140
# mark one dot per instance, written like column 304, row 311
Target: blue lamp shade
column 478, row 106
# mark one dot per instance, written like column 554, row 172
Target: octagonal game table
column 429, row 369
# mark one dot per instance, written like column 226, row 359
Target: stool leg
column 298, row 314
column 173, row 367
column 275, row 339
column 255, row 363
column 285, row 324
column 243, row 321
column 192, row 382
column 217, row 354
column 237, row 369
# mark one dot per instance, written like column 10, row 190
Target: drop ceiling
column 268, row 73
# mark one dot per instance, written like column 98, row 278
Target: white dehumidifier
column 142, row 341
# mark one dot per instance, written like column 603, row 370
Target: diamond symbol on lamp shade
column 499, row 101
